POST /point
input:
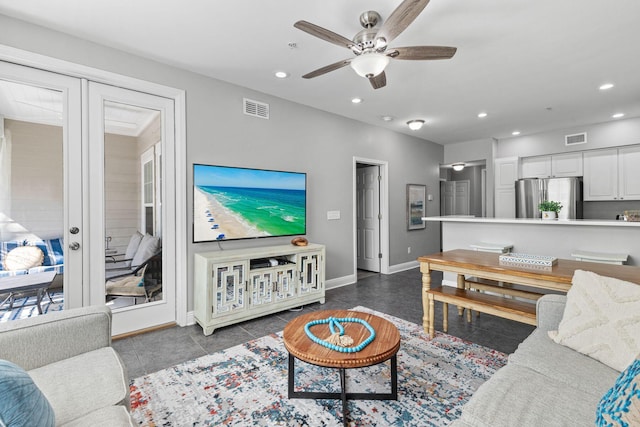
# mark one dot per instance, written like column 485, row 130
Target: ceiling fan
column 371, row 45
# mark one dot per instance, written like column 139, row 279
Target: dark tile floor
column 396, row 294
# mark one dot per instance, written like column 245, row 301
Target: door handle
column 74, row 246
column 74, row 230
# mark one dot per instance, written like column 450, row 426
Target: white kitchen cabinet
column 236, row 285
column 612, row 174
column 554, row 166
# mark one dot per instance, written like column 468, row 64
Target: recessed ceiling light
column 387, row 118
column 281, row 75
column 618, row 115
column 482, row 115
column 415, row 124
column 515, row 133
column 606, row 86
column 356, row 100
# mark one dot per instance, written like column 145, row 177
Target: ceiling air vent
column 256, row 109
column 576, row 138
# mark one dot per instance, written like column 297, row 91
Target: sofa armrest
column 38, row 341
column 549, row 311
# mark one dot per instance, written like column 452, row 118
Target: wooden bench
column 511, row 309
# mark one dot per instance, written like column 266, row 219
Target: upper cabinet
column 612, row 174
column 557, row 165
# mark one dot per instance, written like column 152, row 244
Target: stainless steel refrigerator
column 531, row 191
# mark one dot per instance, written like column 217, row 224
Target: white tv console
column 232, row 286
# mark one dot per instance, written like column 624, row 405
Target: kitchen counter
column 558, row 238
column 535, row 221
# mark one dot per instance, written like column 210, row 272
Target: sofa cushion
column 539, row 353
column 109, row 416
column 82, row 384
column 21, row 402
column 53, row 250
column 601, row 319
column 620, row 406
column 23, row 258
column 519, row 396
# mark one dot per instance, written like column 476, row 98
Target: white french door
column 41, row 195
column 123, row 126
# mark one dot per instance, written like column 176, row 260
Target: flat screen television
column 239, row 203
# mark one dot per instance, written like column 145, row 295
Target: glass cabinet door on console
column 311, row 272
column 230, row 281
column 272, row 284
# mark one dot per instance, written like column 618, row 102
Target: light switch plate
column 333, row 215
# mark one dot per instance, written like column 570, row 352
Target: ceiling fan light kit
column 370, row 44
column 415, row 124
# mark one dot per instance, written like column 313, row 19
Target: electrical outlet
column 409, row 250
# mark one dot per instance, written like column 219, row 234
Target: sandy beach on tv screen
column 224, row 222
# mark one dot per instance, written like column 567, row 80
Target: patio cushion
column 6, row 247
column 148, row 247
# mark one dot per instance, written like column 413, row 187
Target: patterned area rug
column 26, row 306
column 246, row 385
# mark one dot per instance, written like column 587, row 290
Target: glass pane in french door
column 37, row 138
column 133, row 266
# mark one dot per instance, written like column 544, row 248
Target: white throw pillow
column 601, row 319
column 23, row 258
column 148, row 247
column 134, row 243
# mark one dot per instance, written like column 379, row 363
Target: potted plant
column 550, row 209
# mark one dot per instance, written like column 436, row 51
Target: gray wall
column 296, row 138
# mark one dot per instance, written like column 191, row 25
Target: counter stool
column 600, row 257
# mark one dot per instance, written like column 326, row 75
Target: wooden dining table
column 486, row 265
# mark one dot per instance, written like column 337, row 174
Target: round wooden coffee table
column 384, row 347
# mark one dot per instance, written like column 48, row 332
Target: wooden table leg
column 426, row 285
column 445, row 317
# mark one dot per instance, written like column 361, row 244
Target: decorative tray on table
column 528, row 260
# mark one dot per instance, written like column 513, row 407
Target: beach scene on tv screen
column 238, row 203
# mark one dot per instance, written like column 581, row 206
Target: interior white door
column 40, row 166
column 368, row 218
column 123, row 190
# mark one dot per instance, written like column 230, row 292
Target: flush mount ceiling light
column 369, row 64
column 482, row 115
column 457, row 166
column 618, row 115
column 515, row 133
column 415, row 124
column 356, row 100
column 606, row 86
column 281, row 74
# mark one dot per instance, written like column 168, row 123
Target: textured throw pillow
column 148, row 247
column 23, row 258
column 620, row 406
column 22, row 404
column 601, row 319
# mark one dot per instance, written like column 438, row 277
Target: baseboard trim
column 397, row 268
column 341, row 281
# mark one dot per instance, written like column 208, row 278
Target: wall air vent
column 576, row 138
column 256, row 109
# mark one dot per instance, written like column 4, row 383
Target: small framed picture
column 416, row 197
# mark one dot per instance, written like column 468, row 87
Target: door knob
column 74, row 246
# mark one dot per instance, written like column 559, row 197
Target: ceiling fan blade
column 422, row 52
column 324, row 34
column 378, row 81
column 400, row 19
column 326, row 69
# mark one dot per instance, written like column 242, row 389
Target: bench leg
column 445, row 317
column 469, row 315
column 460, row 285
column 432, row 316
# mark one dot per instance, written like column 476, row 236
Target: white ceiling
column 531, row 65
